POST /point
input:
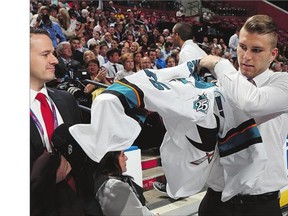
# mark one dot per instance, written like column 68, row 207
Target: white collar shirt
column 35, row 107
column 110, row 69
column 190, row 51
column 267, row 103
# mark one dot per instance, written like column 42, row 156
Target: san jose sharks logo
column 202, row 104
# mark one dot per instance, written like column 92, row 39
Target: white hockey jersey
column 196, row 115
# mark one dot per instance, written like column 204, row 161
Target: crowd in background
column 105, row 44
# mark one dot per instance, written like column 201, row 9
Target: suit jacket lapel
column 61, row 105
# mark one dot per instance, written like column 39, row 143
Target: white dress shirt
column 122, row 73
column 190, row 51
column 110, row 69
column 35, row 107
column 267, row 103
column 233, row 43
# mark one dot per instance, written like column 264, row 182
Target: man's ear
column 274, row 54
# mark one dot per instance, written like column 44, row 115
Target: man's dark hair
column 168, row 44
column 93, row 61
column 39, row 31
column 74, row 38
column 53, row 7
column 185, row 30
column 102, row 44
column 111, row 52
column 153, row 49
column 92, row 46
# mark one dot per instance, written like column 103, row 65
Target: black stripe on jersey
column 208, row 137
column 134, row 112
column 139, row 91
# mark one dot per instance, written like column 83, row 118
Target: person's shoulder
column 116, row 183
column 107, row 64
column 280, row 76
column 59, row 93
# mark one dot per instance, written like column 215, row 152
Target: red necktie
column 49, row 124
column 46, row 114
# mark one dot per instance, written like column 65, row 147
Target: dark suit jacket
column 47, row 197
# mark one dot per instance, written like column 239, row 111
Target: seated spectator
column 67, row 64
column 103, row 51
column 125, row 50
column 112, row 65
column 77, row 51
column 276, row 66
column 88, row 55
column 119, row 195
column 137, row 61
column 83, row 45
column 96, row 74
column 160, row 40
column 114, row 43
column 170, row 61
column 128, row 63
column 144, row 43
column 175, row 54
column 44, row 21
column 166, row 33
column 134, row 47
column 65, row 23
column 95, row 48
column 152, row 55
column 167, row 49
column 129, row 40
column 159, row 62
column 169, row 39
column 107, row 38
column 146, row 63
column 96, row 38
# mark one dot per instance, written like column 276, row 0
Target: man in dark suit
column 51, row 188
column 110, row 7
column 66, row 63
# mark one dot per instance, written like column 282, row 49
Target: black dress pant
column 211, row 205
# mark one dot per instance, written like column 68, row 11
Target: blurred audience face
column 76, row 44
column 129, row 63
column 114, row 44
column 114, row 58
column 138, row 58
column 125, row 50
column 146, row 63
column 152, row 55
column 66, row 51
column 92, row 68
column 88, row 55
column 103, row 50
column 134, row 47
column 170, row 62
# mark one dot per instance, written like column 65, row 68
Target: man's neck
column 36, row 86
